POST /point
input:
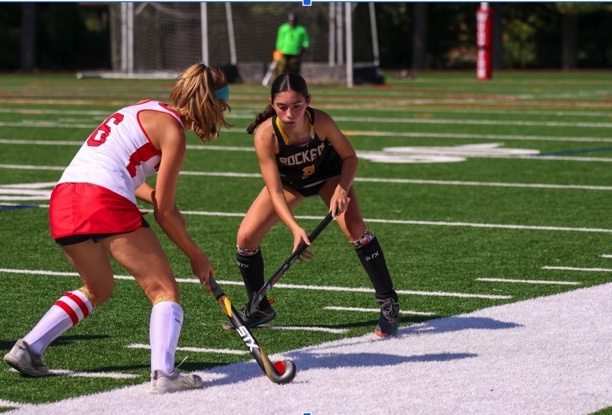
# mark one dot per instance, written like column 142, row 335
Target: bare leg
column 141, row 254
column 257, row 222
column 260, row 217
column 351, row 221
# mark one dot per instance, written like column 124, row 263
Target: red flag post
column 483, row 41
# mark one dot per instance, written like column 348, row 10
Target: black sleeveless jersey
column 308, row 164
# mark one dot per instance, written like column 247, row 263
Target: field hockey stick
column 256, row 298
column 269, row 72
column 280, row 372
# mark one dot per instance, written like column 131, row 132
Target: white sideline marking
column 78, row 374
column 192, row 349
column 529, row 281
column 606, row 256
column 377, row 310
column 292, row 286
column 578, row 269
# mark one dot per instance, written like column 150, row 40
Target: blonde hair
column 195, row 92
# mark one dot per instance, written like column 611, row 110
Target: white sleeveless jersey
column 118, row 155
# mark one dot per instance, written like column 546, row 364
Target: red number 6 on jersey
column 99, row 136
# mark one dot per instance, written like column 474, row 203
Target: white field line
column 357, row 179
column 246, row 114
column 10, row 404
column 305, row 328
column 353, row 134
column 387, row 120
column 474, row 122
column 577, row 269
column 605, row 256
column 399, row 222
column 377, row 310
column 529, row 281
column 289, row 286
column 193, row 349
column 428, row 152
column 72, row 373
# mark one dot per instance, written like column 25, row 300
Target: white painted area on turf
column 377, row 310
column 529, row 281
column 192, row 349
column 548, row 355
column 606, row 256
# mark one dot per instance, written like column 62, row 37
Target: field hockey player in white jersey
column 93, row 213
column 302, row 153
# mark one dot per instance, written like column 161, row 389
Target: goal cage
column 158, row 39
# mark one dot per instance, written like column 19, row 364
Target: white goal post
column 158, row 39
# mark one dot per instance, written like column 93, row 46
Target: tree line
column 418, row 36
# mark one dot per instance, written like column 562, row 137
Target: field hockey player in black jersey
column 302, row 153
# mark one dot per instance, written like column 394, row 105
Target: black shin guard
column 252, row 270
column 373, row 261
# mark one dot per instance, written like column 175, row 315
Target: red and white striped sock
column 73, row 307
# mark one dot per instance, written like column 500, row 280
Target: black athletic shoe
column 257, row 318
column 389, row 318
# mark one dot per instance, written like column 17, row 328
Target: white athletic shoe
column 22, row 358
column 162, row 383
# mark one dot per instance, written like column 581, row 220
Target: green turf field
column 480, row 192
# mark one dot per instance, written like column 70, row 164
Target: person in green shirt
column 291, row 44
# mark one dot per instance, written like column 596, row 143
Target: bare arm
column 145, row 193
column 166, row 133
column 327, row 128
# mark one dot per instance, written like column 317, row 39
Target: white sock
column 73, row 307
column 166, row 323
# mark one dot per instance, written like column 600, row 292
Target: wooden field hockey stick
column 280, row 372
column 256, row 298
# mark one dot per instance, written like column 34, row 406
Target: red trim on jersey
column 85, row 208
column 71, row 313
column 142, row 155
column 79, row 301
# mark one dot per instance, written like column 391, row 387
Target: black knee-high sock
column 373, row 261
column 252, row 270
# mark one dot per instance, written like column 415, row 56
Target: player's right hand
column 203, row 269
column 300, row 236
